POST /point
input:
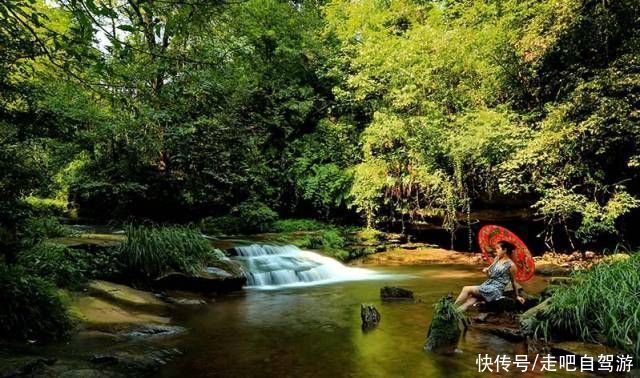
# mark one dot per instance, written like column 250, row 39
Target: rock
column 125, row 295
column 551, row 269
column 589, row 255
column 146, row 330
column 98, row 314
column 370, row 317
column 89, row 373
column 104, row 359
column 575, row 256
column 581, row 349
column 395, row 238
column 217, row 271
column 28, row 366
column 560, row 280
column 508, row 304
column 444, row 330
column 388, row 293
column 507, row 333
column 203, row 282
column 185, row 301
column 135, row 363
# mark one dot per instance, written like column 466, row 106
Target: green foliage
column 292, row 225
column 248, row 217
column 43, row 207
column 105, row 264
column 256, row 216
column 150, row 251
column 63, row 266
column 601, row 307
column 399, row 111
column 37, row 229
column 31, row 308
column 328, row 240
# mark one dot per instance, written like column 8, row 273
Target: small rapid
column 273, row 266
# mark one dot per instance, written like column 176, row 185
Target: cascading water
column 270, row 266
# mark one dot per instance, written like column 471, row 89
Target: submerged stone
column 395, row 293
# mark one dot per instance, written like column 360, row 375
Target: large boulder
column 102, row 315
column 220, row 277
column 203, row 282
column 370, row 317
column 125, row 295
column 390, row 293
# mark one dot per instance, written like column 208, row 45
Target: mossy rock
column 102, row 315
column 444, row 330
column 125, row 295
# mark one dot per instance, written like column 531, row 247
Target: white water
column 271, row 266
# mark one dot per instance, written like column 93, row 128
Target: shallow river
column 314, row 331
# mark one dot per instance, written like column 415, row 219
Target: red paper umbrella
column 488, row 238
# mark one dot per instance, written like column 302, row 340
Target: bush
column 293, row 225
column 224, row 225
column 46, row 207
column 603, row 306
column 37, row 229
column 257, row 216
column 31, row 308
column 153, row 251
column 249, row 217
column 61, row 265
column 105, row 263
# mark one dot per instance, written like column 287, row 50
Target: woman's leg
column 466, row 293
column 468, row 303
column 463, row 295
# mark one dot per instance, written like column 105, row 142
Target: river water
column 314, row 331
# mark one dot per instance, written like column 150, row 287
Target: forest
column 172, row 118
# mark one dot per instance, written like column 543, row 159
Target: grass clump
column 31, row 308
column 604, row 307
column 151, row 251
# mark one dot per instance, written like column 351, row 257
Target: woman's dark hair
column 507, row 247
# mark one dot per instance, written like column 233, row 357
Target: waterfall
column 270, row 266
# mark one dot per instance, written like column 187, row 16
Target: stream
column 292, row 328
column 299, row 316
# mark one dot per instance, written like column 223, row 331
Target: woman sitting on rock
column 500, row 272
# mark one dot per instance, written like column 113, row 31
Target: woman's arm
column 512, row 273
